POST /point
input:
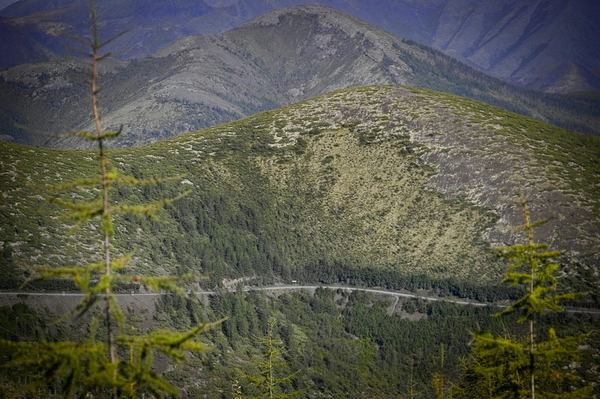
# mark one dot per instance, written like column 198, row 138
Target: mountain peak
column 273, row 17
column 326, row 16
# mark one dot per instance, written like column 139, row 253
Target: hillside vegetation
column 388, row 186
column 335, row 344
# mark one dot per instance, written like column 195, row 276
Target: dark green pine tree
column 532, row 366
column 108, row 363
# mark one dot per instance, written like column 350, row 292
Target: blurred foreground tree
column 270, row 378
column 533, row 366
column 109, row 362
column 443, row 387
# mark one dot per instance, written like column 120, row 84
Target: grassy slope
column 381, row 178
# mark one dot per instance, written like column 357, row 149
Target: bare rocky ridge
column 283, row 57
column 541, row 44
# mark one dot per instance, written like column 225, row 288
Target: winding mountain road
column 297, row 287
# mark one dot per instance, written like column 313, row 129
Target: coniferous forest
column 375, row 239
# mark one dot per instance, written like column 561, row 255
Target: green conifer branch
column 269, row 378
column 530, row 367
column 118, row 364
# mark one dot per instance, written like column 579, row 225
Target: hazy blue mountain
column 542, row 44
column 548, row 45
column 283, row 57
column 6, row 3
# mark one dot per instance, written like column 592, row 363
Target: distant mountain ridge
column 282, row 57
column 6, row 3
column 546, row 45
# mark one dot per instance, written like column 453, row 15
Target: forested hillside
column 375, row 237
column 385, row 186
column 333, row 344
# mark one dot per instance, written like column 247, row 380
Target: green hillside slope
column 382, row 186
